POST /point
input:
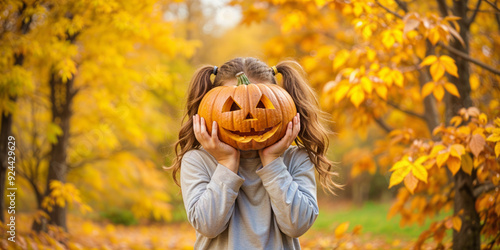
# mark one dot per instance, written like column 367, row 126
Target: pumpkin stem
column 242, row 79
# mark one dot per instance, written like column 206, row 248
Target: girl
column 252, row 199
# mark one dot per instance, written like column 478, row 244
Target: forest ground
column 367, row 228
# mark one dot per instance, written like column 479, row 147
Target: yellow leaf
column 357, row 97
column 341, row 229
column 341, row 92
column 457, row 150
column 434, row 35
column 428, row 60
column 450, row 87
column 457, row 223
column 388, row 39
column 398, row 176
column 497, row 149
column 453, row 164
column 437, row 150
column 340, row 59
column 442, row 158
column 366, row 84
column 400, row 164
column 474, row 81
column 438, row 92
column 493, row 137
column 320, row 3
column 437, row 71
column 382, row 92
column 449, row 65
column 467, row 164
column 410, row 182
column 428, row 88
column 371, row 54
column 456, row 120
column 397, row 78
column 419, row 172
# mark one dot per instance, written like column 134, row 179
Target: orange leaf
column 357, row 230
column 457, row 223
column 341, row 229
column 449, row 65
column 428, row 60
column 453, row 164
column 450, row 87
column 476, row 144
column 434, row 35
column 456, row 120
column 428, row 88
column 438, row 92
column 410, row 182
column 437, row 71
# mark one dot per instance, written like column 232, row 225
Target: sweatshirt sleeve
column 293, row 194
column 209, row 200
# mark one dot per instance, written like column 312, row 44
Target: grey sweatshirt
column 258, row 208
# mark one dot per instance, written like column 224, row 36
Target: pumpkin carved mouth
column 258, row 136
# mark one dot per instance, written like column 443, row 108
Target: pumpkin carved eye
column 230, row 105
column 265, row 103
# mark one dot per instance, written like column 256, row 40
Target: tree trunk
column 4, row 135
column 464, row 202
column 61, row 97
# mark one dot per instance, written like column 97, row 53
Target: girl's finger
column 196, row 129
column 195, row 125
column 296, row 126
column 203, row 127
column 289, row 132
column 215, row 137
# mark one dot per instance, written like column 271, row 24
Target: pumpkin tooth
column 258, row 136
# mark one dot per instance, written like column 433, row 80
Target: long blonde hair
column 313, row 136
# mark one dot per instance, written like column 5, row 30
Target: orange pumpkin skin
column 249, row 117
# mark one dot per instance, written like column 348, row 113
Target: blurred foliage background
column 93, row 92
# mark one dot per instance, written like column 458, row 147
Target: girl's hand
column 224, row 154
column 269, row 154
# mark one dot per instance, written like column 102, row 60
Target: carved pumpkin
column 250, row 116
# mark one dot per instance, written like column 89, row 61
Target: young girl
column 252, row 199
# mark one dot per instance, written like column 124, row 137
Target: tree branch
column 470, row 59
column 471, row 19
column 409, row 112
column 402, row 5
column 388, row 10
column 383, row 125
column 492, row 5
column 484, row 188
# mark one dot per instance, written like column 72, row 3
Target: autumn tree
column 103, row 77
column 14, row 81
column 426, row 73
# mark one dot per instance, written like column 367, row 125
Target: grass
column 372, row 217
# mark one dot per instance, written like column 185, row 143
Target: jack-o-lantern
column 249, row 116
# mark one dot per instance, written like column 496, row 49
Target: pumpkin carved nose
column 249, row 116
